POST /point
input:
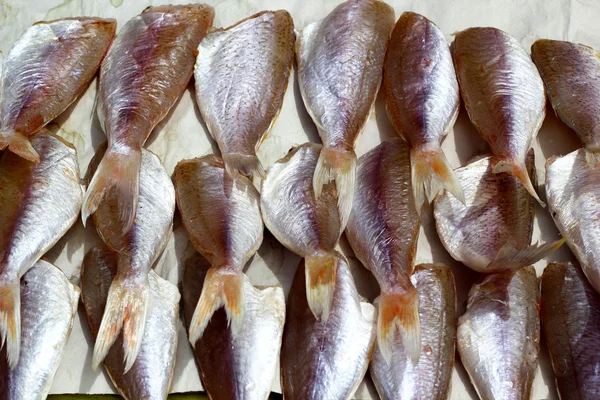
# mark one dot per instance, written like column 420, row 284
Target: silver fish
column 38, row 204
column 340, row 60
column 498, row 337
column 430, row 378
column 503, row 94
column 422, row 101
column 48, row 308
column 248, row 361
column 151, row 373
column 241, row 76
column 47, row 68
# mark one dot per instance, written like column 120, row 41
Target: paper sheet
column 182, row 135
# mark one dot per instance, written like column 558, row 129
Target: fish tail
column 246, row 164
column 338, row 165
column 519, row 171
column 126, row 309
column 122, row 171
column 10, row 321
column 431, row 174
column 509, row 258
column 399, row 311
column 320, row 284
column 20, row 145
column 222, row 288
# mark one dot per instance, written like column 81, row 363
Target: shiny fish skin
column 430, row 378
column 38, row 205
column 47, row 68
column 221, row 215
column 241, row 76
column 570, row 318
column 571, row 75
column 422, row 101
column 151, row 373
column 383, row 230
column 326, row 360
column 340, row 60
column 243, row 367
column 503, row 94
column 48, row 308
column 498, row 337
column 144, row 73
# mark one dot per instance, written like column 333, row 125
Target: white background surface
column 182, row 135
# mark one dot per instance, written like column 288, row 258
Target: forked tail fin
column 222, row 288
column 399, row 311
column 244, row 164
column 338, row 165
column 10, row 321
column 20, row 145
column 126, row 309
column 509, row 258
column 431, row 174
column 116, row 170
column 519, row 171
column 320, row 284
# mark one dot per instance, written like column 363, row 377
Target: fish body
column 326, row 359
column 47, row 68
column 503, row 94
column 150, row 375
column 242, row 366
column 48, row 307
column 305, row 224
column 38, row 204
column 129, row 296
column 498, row 337
column 430, row 378
column 221, row 215
column 422, row 101
column 570, row 317
column 383, row 230
column 241, row 76
column 145, row 71
column 340, row 60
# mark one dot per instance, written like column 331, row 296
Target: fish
column 129, row 303
column 326, row 359
column 308, row 226
column 492, row 230
column 45, row 71
column 430, row 378
column 504, row 96
column 145, row 72
column 570, row 74
column 221, row 216
column 151, row 373
column 573, row 204
column 247, row 362
column 48, row 308
column 38, row 204
column 241, row 75
column 382, row 231
column 570, row 317
column 498, row 337
column 422, row 101
column 340, row 62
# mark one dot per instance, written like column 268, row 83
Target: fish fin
column 20, row 145
column 520, row 172
column 122, row 171
column 222, row 288
column 10, row 321
column 126, row 309
column 592, row 158
column 509, row 258
column 399, row 310
column 245, row 164
column 431, row 174
column 320, row 284
column 340, row 166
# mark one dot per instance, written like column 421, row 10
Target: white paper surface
column 182, row 135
